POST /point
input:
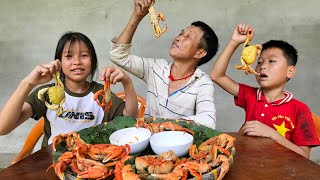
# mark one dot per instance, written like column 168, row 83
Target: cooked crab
column 154, row 19
column 248, row 57
column 55, row 93
column 106, row 99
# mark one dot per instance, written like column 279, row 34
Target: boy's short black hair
column 209, row 41
column 289, row 52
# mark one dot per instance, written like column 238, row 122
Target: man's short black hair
column 209, row 41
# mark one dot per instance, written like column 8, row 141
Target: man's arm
column 205, row 107
column 140, row 10
column 120, row 47
column 218, row 71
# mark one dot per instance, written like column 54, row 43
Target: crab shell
column 56, row 94
column 56, row 97
column 153, row 164
column 250, row 53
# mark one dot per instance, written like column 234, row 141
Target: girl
column 77, row 62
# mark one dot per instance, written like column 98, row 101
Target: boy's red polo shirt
column 290, row 117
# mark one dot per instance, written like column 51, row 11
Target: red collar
column 183, row 78
column 287, row 98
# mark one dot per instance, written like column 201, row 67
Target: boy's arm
column 218, row 72
column 16, row 110
column 257, row 128
column 302, row 150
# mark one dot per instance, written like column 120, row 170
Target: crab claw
column 158, row 32
column 161, row 16
column 57, row 140
column 95, row 172
column 59, row 168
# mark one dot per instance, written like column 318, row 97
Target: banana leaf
column 100, row 135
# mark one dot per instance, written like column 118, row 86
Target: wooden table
column 256, row 158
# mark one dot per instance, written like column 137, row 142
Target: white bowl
column 137, row 138
column 177, row 141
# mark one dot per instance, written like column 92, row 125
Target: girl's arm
column 114, row 75
column 16, row 110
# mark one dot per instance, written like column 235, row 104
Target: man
column 178, row 90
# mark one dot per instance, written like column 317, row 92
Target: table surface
column 256, row 158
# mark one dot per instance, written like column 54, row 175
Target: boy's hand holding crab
column 245, row 33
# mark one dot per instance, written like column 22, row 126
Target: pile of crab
column 101, row 161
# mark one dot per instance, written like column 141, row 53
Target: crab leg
column 154, row 19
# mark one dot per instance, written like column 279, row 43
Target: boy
column 270, row 111
column 179, row 89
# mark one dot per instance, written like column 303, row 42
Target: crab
column 104, row 152
column 162, row 126
column 156, row 164
column 55, row 93
column 212, row 152
column 66, row 159
column 123, row 172
column 91, row 169
column 223, row 140
column 72, row 140
column 106, row 100
column 154, row 19
column 248, row 57
column 84, row 168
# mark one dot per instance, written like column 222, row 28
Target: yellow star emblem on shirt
column 281, row 129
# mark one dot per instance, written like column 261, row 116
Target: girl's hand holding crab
column 114, row 74
column 43, row 73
